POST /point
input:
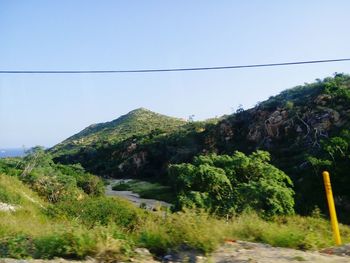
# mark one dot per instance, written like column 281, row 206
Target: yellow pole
column 333, row 214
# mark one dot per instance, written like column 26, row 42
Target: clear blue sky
column 130, row 34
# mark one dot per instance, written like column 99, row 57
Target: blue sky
column 130, row 34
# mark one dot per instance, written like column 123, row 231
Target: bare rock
column 8, row 207
column 322, row 99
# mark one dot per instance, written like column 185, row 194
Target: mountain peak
column 138, row 111
column 135, row 122
column 141, row 109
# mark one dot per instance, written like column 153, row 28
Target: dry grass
column 30, row 232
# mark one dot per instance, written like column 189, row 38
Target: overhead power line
column 169, row 69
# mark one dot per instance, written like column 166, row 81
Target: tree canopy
column 226, row 184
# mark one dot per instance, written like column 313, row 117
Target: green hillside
column 243, row 169
column 305, row 129
column 137, row 122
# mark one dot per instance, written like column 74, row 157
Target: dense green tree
column 226, row 184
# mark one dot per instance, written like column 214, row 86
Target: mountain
column 135, row 123
column 305, row 129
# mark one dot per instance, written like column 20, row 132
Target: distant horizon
column 11, row 152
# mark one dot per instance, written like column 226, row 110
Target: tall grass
column 109, row 228
column 290, row 231
column 188, row 229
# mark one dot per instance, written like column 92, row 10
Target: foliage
column 98, row 211
column 310, row 113
column 295, row 231
column 136, row 123
column 338, row 87
column 109, row 229
column 193, row 229
column 54, row 182
column 32, row 232
column 335, row 157
column 231, row 184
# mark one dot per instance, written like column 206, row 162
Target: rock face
column 305, row 124
column 295, row 120
column 282, row 122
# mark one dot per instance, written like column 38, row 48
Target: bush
column 90, row 184
column 66, row 245
column 74, row 244
column 99, row 211
column 188, row 229
column 55, row 188
column 225, row 184
column 17, row 246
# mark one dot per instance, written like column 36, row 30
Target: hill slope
column 309, row 121
column 137, row 122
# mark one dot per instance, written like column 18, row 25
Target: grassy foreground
column 110, row 228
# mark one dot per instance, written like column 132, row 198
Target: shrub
column 99, row 211
column 188, row 229
column 225, row 184
column 67, row 245
column 17, row 246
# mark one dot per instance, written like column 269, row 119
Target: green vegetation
column 147, row 190
column 78, row 223
column 229, row 178
column 109, row 228
column 231, row 184
column 53, row 182
column 334, row 156
column 293, row 127
column 287, row 231
column 136, row 123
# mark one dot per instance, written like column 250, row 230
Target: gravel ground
column 231, row 252
column 239, row 252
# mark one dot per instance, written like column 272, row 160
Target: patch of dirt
column 241, row 252
column 230, row 252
